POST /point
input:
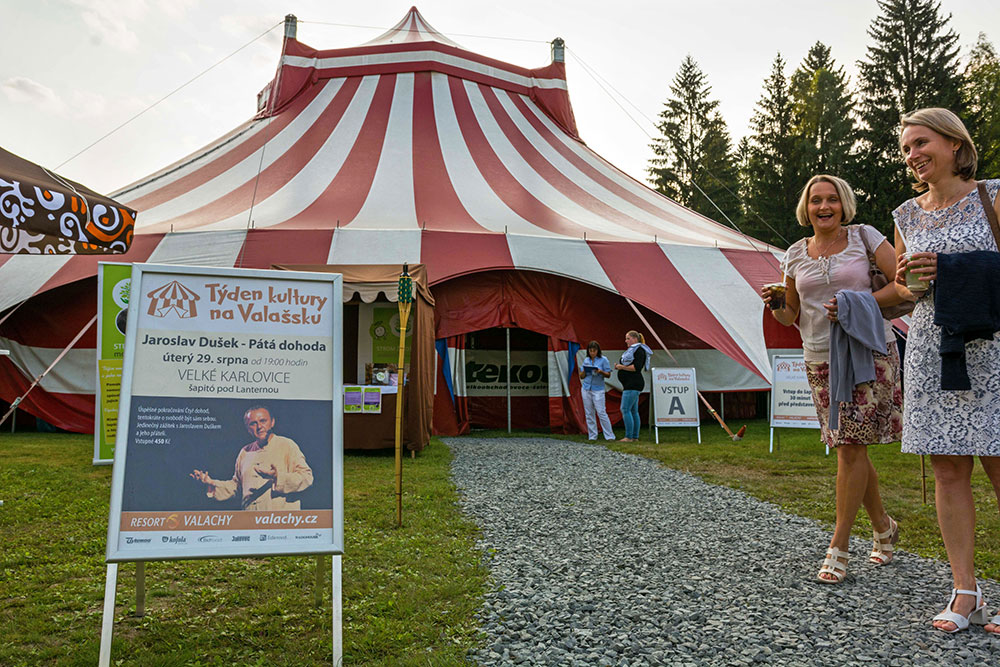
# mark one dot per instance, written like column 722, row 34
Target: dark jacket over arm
column 966, row 307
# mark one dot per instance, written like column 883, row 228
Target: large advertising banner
column 486, row 373
column 675, row 397
column 791, row 399
column 231, row 441
column 113, row 289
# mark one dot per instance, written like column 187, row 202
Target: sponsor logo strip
column 242, row 520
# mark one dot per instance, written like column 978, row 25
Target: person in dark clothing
column 630, row 368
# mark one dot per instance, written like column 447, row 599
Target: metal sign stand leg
column 656, row 430
column 108, row 618
column 318, row 583
column 338, row 612
column 699, row 434
column 140, row 588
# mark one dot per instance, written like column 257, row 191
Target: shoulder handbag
column 879, row 281
column 991, row 213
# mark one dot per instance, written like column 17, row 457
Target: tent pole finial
column 558, row 50
column 291, row 26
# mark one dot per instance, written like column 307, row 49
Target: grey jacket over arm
column 857, row 332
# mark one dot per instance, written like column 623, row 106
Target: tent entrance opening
column 486, row 375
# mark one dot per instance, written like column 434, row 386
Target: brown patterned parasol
column 42, row 213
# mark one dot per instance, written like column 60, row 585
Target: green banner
column 112, row 308
column 385, row 336
column 110, row 388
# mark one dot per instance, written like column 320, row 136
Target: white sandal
column 993, row 621
column 977, row 615
column 833, row 566
column 884, row 542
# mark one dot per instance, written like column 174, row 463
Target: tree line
column 814, row 121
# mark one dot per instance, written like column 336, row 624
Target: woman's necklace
column 945, row 201
column 822, row 253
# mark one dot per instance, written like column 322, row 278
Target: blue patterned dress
column 938, row 421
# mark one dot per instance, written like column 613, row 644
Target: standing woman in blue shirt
column 593, row 371
column 630, row 376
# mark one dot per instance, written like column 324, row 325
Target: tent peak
column 412, row 28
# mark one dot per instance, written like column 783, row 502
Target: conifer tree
column 821, row 114
column 912, row 63
column 981, row 96
column 693, row 161
column 773, row 173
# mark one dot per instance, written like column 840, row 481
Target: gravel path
column 601, row 558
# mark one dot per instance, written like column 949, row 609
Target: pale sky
column 73, row 70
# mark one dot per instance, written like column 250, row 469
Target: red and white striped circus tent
column 410, row 148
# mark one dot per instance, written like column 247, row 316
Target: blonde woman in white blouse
column 835, row 258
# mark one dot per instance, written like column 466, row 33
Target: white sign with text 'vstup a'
column 675, row 397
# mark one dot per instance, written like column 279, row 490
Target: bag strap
column 991, row 213
column 868, row 250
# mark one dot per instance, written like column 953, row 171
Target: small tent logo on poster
column 173, row 297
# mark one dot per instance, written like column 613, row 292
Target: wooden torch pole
column 405, row 299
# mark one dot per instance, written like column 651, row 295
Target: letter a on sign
column 675, row 406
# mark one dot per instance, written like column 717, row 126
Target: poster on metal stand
column 113, row 283
column 675, row 399
column 230, row 431
column 791, row 398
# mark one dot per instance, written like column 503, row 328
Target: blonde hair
column 636, row 335
column 844, row 191
column 950, row 126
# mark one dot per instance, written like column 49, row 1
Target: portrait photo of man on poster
column 232, row 454
column 269, row 473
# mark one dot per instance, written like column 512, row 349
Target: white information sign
column 230, row 431
column 675, row 398
column 791, row 398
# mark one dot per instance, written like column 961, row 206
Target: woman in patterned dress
column 952, row 426
column 836, row 258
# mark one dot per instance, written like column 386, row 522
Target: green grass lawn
column 410, row 595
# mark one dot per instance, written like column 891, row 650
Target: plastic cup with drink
column 913, row 281
column 777, row 291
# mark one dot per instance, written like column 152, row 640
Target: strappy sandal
column 977, row 615
column 884, row 542
column 833, row 566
